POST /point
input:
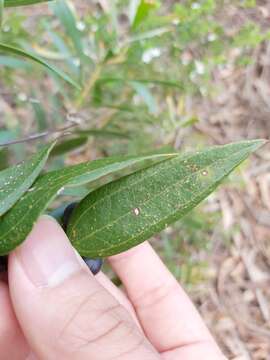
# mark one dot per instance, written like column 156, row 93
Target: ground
column 236, row 300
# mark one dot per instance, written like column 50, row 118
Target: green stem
column 89, row 85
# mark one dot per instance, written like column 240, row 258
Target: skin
column 54, row 308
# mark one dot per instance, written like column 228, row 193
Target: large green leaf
column 18, row 222
column 130, row 210
column 14, row 181
column 25, row 54
column 12, row 3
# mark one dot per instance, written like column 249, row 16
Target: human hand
column 54, row 308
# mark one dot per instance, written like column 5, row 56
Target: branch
column 73, row 123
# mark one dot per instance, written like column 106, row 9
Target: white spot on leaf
column 136, row 211
column 59, row 192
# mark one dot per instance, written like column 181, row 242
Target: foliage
column 128, row 57
column 18, row 222
column 117, row 75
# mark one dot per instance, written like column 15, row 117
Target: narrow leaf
column 4, row 155
column 128, row 211
column 40, row 114
column 19, row 52
column 69, row 145
column 104, row 133
column 18, row 222
column 65, row 14
column 133, row 8
column 146, row 95
column 14, row 181
column 14, row 63
column 143, row 81
column 146, row 35
column 1, row 13
column 12, row 3
column 142, row 11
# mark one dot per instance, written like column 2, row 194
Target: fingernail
column 46, row 255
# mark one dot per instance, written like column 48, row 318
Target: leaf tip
column 257, row 143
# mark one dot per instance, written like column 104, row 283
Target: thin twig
column 41, row 134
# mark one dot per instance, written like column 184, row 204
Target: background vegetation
column 174, row 74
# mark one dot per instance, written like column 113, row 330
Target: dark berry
column 67, row 214
column 3, row 263
column 58, row 213
column 93, row 264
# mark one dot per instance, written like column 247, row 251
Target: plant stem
column 89, row 85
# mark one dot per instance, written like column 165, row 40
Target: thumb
column 64, row 312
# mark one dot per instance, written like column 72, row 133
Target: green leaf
column 68, row 145
column 146, row 35
column 19, row 52
column 128, row 211
column 1, row 13
column 15, row 181
column 18, row 222
column 65, row 14
column 103, row 133
column 144, row 7
column 14, row 63
column 146, row 95
column 12, row 3
column 173, row 84
column 4, row 154
column 40, row 115
column 133, row 8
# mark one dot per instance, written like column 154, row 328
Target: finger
column 118, row 295
column 63, row 310
column 12, row 342
column 167, row 315
column 195, row 351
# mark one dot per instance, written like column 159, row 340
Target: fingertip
column 127, row 255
